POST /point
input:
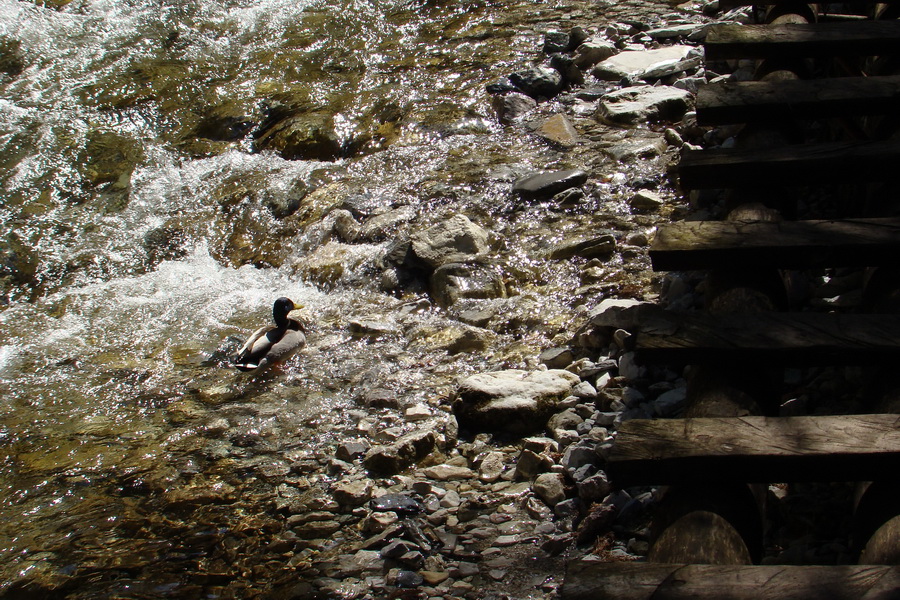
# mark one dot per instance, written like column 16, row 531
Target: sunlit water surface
column 115, row 400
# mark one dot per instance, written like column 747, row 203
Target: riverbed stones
column 513, row 401
column 558, row 130
column 593, row 51
column 454, row 240
column 307, row 136
column 512, row 106
column 391, row 459
column 550, row 487
column 645, row 201
column 639, row 104
column 352, row 492
column 539, row 82
column 593, row 247
column 544, row 185
column 455, row 281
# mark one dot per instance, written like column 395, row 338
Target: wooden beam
column 755, row 449
column 810, row 164
column 776, row 338
column 751, row 101
column 695, row 245
column 594, row 580
column 730, row 4
column 861, row 38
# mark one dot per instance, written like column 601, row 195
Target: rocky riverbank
column 485, row 492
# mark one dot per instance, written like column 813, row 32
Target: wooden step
column 789, row 166
column 755, row 449
column 860, row 38
column 595, row 580
column 772, row 338
column 695, row 245
column 753, row 101
column 730, row 4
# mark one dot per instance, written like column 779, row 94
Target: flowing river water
column 144, row 229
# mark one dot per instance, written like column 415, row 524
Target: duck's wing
column 254, row 348
column 289, row 343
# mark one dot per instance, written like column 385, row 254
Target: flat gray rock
column 638, row 64
column 642, row 103
column 514, row 401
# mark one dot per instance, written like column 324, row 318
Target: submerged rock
column 455, row 240
column 544, row 185
column 512, row 106
column 514, row 401
column 455, row 281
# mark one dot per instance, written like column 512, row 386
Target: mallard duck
column 272, row 344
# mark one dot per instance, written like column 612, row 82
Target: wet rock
column 558, row 130
column 595, row 247
column 447, row 472
column 380, row 398
column 641, row 64
column 531, row 464
column 12, row 62
column 109, row 160
column 578, row 455
column 514, row 401
column 402, row 504
column 538, row 82
column 352, row 493
column 512, row 106
column 434, row 577
column 308, row 136
column 419, row 412
column 550, row 487
column 162, row 243
column 350, row 451
column 456, row 281
column 408, row 579
column 226, row 122
column 593, row 51
column 556, row 41
column 566, row 67
column 384, row 225
column 639, row 104
column 645, row 201
column 492, row 466
column 391, row 459
column 18, row 261
column 542, row 186
column 648, row 146
column 557, row 358
column 455, row 240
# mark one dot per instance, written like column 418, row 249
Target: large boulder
column 513, row 401
column 456, row 240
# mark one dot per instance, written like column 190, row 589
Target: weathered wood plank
column 594, row 580
column 755, row 449
column 695, row 245
column 862, row 38
column 778, row 338
column 730, row 4
column 810, row 164
column 749, row 101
